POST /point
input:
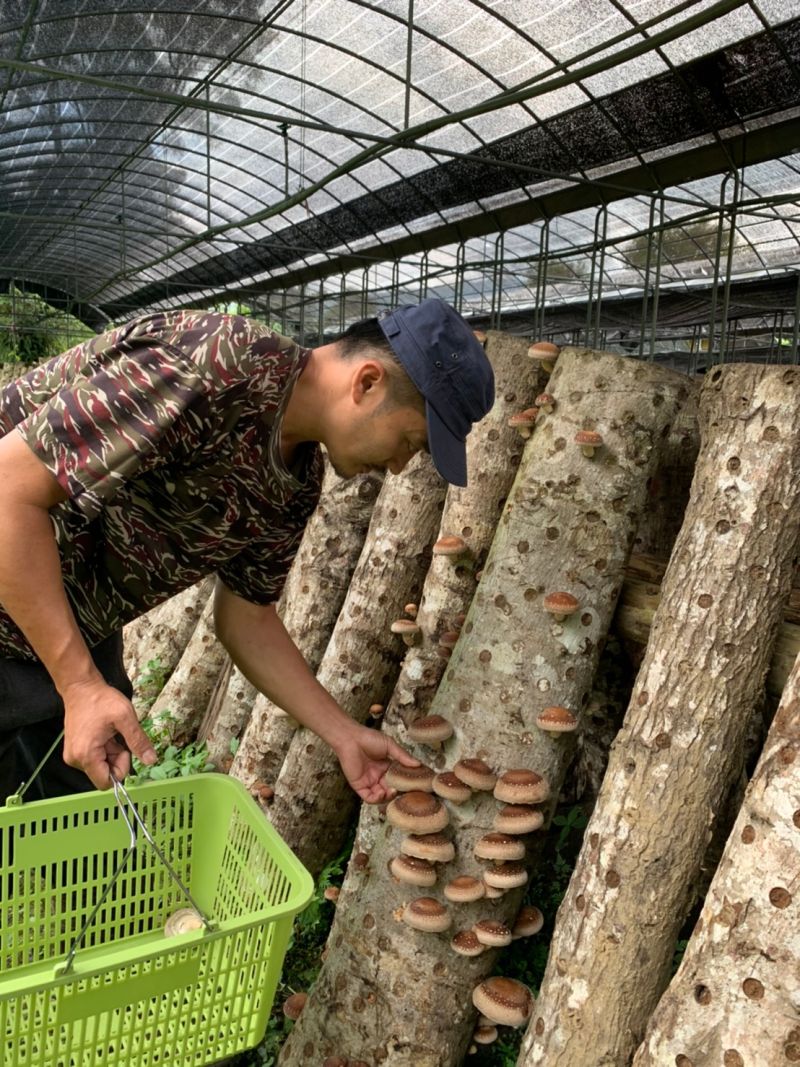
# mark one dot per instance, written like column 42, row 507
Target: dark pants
column 32, row 716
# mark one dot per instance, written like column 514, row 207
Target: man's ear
column 368, row 381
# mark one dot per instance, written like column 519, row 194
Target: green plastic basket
column 135, row 997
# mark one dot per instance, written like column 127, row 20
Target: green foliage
column 173, row 761
column 31, row 331
column 150, row 683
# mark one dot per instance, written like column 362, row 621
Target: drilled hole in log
column 780, row 897
column 702, row 994
column 753, row 988
column 748, row 835
column 732, row 1058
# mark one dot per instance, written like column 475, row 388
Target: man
column 186, row 443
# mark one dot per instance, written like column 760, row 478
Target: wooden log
column 641, row 595
column 160, row 636
column 181, row 704
column 494, row 450
column 567, row 525
column 734, row 999
column 309, row 606
column 313, row 806
column 668, row 492
column 681, row 744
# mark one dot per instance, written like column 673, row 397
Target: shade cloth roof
column 174, row 151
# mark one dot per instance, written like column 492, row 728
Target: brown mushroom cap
column 529, row 921
column 505, row 875
column 426, row 913
column 293, row 1005
column 405, row 778
column 417, row 812
column 516, row 819
column 484, row 1035
column 431, row 730
column 475, row 773
column 448, row 638
column 521, row 787
column 560, row 604
column 450, row 787
column 411, row 609
column 413, row 871
column 523, row 421
column 404, row 626
column 545, row 401
column 543, row 350
column 504, row 1001
column 492, row 932
column 450, row 545
column 463, row 889
column 557, row 720
column 589, row 440
column 434, row 847
column 495, row 846
column 466, row 943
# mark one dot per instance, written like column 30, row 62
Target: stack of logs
column 671, row 521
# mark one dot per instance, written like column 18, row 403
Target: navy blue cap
column 446, row 362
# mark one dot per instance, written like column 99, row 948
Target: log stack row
column 616, row 451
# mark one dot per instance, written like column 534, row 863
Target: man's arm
column 264, row 652
column 32, row 592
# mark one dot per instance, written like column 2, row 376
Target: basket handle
column 122, row 798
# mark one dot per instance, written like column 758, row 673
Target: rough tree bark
column 567, row 525
column 182, row 702
column 494, row 451
column 309, row 605
column 641, row 595
column 313, row 804
column 668, row 492
column 163, row 633
column 735, row 996
column 681, row 744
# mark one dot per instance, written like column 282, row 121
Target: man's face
column 376, row 436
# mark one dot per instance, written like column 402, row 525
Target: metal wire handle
column 122, row 798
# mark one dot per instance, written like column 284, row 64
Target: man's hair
column 366, row 338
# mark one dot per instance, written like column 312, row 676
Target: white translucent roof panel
column 154, row 134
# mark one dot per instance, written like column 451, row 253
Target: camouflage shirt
column 165, row 433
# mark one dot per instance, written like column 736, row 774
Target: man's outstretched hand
column 94, row 713
column 365, row 757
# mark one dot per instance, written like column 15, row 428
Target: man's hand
column 94, row 713
column 365, row 756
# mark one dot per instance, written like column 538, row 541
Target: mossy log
column 681, row 744
column 392, row 995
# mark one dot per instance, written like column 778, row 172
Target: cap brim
column 448, row 452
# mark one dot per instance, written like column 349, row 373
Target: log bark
column 226, row 715
column 180, row 706
column 494, row 450
column 309, row 606
column 313, row 805
column 668, row 492
column 568, row 524
column 161, row 635
column 641, row 595
column 735, row 996
column 681, row 744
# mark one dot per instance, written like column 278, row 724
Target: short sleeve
column 108, row 425
column 258, row 573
